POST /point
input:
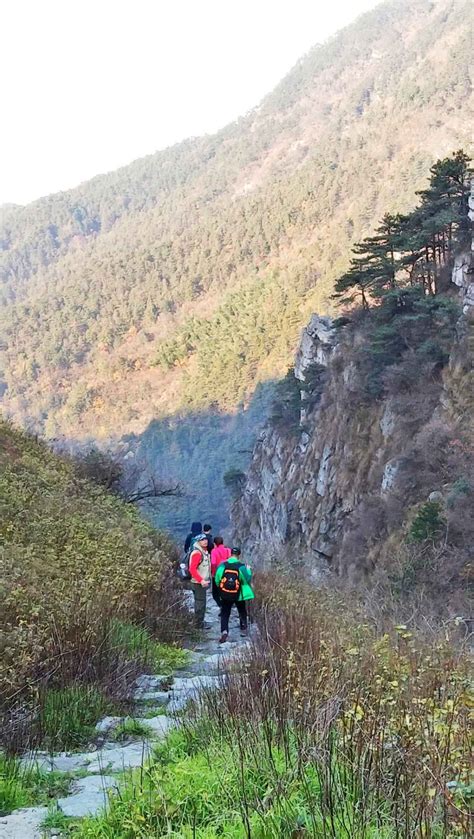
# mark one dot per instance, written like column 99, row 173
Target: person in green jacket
column 233, row 579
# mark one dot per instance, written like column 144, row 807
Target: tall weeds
column 372, row 730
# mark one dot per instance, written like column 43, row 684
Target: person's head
column 207, row 528
column 218, row 540
column 236, row 551
column 201, row 539
column 196, row 527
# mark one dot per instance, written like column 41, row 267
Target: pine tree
column 411, row 249
column 380, row 250
column 355, row 283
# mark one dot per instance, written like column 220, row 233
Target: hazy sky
column 89, row 85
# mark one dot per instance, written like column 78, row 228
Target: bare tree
column 131, row 482
column 138, row 484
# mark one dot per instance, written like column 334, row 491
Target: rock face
column 463, row 270
column 308, row 490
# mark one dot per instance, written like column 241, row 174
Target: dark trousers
column 199, row 604
column 216, row 593
column 226, row 610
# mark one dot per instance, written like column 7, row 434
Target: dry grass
column 382, row 721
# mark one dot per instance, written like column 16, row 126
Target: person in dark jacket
column 196, row 529
column 207, row 529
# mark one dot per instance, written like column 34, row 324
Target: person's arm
column 194, row 561
column 246, row 574
column 219, row 573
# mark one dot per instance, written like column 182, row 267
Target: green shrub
column 68, row 716
column 56, row 819
column 131, row 728
column 428, row 523
column 460, row 488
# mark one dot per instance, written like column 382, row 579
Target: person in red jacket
column 200, row 570
column 219, row 554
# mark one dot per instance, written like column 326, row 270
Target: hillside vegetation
column 184, row 278
column 73, row 561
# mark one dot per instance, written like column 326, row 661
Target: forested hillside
column 181, row 281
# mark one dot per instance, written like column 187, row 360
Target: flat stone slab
column 108, row 723
column 195, row 683
column 146, row 682
column 23, row 824
column 160, row 725
column 117, row 758
column 210, row 664
column 61, row 762
column 158, row 697
column 216, row 662
column 90, row 796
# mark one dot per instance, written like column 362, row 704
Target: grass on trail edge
column 197, row 788
column 68, row 716
column 129, row 728
column 137, row 643
column 22, row 786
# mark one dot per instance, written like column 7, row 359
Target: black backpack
column 230, row 585
column 183, row 568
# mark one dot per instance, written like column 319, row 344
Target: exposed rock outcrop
column 352, row 462
column 463, row 270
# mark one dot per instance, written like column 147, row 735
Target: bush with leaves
column 73, row 558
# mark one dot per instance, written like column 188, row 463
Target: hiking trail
column 208, row 660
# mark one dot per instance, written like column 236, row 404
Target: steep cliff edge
column 359, row 449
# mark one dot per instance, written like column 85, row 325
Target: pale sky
column 90, row 85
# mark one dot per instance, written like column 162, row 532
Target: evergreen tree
column 379, row 252
column 411, row 249
column 355, row 283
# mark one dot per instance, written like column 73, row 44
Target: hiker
column 219, row 554
column 207, row 529
column 200, row 571
column 196, row 529
column 233, row 580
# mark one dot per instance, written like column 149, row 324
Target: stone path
column 88, row 794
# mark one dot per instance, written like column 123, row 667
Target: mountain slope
column 72, row 558
column 240, row 230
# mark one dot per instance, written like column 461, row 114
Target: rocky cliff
column 339, row 487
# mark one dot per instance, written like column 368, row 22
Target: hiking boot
column 223, row 638
column 243, row 631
